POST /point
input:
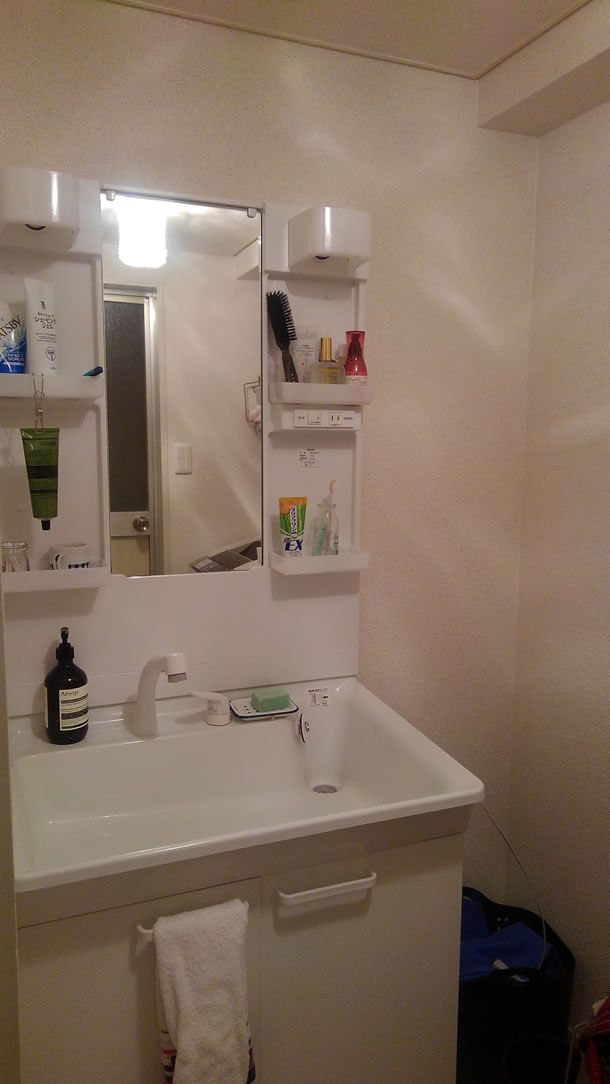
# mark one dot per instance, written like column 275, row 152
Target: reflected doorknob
column 141, row 523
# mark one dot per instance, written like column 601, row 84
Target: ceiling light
column 142, row 224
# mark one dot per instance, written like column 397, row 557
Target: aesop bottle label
column 73, row 708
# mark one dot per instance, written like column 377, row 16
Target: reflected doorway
column 131, row 375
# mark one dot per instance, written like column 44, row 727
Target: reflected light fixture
column 142, row 226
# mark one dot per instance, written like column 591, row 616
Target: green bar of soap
column 270, row 699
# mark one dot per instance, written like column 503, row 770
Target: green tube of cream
column 41, row 450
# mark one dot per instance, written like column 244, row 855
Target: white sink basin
column 118, row 803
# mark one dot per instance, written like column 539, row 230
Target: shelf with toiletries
column 315, row 502
column 84, row 388
column 316, row 343
column 305, row 369
column 345, row 561
column 54, row 482
column 18, row 583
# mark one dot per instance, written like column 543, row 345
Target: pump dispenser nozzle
column 64, row 652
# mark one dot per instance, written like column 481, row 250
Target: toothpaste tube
column 292, row 523
column 12, row 338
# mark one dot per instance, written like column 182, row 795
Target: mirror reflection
column 182, row 304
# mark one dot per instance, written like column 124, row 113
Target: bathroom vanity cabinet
column 351, row 989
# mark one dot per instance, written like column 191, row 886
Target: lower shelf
column 320, row 394
column 16, row 583
column 86, row 388
column 348, row 561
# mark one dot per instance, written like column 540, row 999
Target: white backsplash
column 237, row 629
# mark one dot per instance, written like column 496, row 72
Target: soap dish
column 243, row 709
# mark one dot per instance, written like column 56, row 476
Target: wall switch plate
column 326, row 419
column 183, row 459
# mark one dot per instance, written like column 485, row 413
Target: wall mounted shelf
column 17, row 583
column 84, row 388
column 346, row 561
column 321, row 394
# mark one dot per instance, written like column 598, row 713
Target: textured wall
column 9, row 1048
column 143, row 99
column 560, row 809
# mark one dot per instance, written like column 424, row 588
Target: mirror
column 182, row 306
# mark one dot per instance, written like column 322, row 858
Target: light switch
column 348, row 419
column 183, row 459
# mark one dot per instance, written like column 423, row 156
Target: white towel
column 201, row 968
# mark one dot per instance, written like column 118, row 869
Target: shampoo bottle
column 66, row 714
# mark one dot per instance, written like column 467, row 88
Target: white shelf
column 20, row 386
column 16, row 583
column 346, row 561
column 321, row 394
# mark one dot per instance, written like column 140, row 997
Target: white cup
column 69, row 555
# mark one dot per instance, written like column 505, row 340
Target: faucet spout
column 145, row 722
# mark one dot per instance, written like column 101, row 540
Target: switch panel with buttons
column 326, row 419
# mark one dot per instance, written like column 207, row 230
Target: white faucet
column 145, row 722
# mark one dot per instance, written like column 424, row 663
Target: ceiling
column 462, row 37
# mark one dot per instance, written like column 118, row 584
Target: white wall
column 209, row 345
column 9, row 1045
column 560, row 810
column 152, row 101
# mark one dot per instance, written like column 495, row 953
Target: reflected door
column 130, row 376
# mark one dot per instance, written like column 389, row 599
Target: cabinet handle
column 327, row 892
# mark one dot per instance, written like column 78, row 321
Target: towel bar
column 144, row 934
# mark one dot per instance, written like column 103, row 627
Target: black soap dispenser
column 66, row 704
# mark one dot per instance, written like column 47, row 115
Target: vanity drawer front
column 87, row 991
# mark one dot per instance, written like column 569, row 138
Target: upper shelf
column 321, row 394
column 19, row 386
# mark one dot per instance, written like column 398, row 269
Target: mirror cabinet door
column 182, row 310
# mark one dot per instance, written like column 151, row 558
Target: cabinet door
column 87, row 991
column 364, row 990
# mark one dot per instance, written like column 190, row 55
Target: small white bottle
column 304, row 352
column 326, row 529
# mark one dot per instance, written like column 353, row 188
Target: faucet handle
column 219, row 711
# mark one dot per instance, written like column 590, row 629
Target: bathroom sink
column 120, row 803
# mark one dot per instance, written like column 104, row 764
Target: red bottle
column 355, row 365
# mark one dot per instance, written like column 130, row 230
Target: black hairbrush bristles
column 278, row 307
column 286, row 310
